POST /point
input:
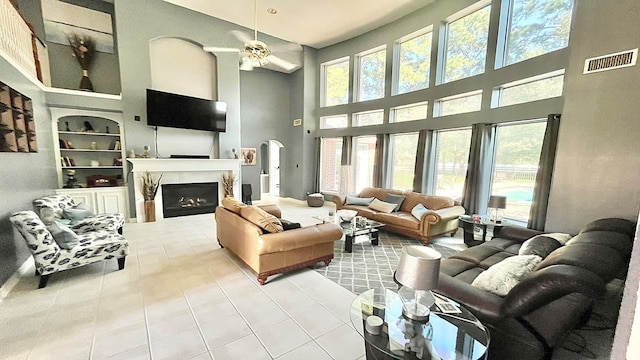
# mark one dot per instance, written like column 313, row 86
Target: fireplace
column 189, row 199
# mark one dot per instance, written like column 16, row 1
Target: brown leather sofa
column 266, row 253
column 543, row 308
column 441, row 218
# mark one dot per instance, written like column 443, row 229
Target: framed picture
column 249, row 156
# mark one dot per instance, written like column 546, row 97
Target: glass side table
column 475, row 231
column 458, row 336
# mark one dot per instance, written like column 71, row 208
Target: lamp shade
column 419, row 267
column 497, row 202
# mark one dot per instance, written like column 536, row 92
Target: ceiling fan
column 256, row 53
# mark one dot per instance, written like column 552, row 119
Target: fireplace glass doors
column 189, row 199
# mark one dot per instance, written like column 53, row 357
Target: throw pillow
column 77, row 213
column 354, row 200
column 288, row 225
column 503, row 276
column 64, row 237
column 394, row 199
column 261, row 218
column 232, row 204
column 382, row 206
column 561, row 237
column 540, row 245
column 419, row 211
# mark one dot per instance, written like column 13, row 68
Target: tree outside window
column 414, row 63
column 466, row 45
column 451, row 163
column 371, row 71
column 517, row 156
column 404, row 148
column 537, row 27
column 336, row 83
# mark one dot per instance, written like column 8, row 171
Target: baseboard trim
column 26, row 267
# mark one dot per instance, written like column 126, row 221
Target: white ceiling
column 316, row 23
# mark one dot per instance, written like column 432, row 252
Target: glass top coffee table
column 352, row 229
column 458, row 336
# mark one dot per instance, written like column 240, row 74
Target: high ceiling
column 316, row 23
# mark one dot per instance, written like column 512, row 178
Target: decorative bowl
column 346, row 215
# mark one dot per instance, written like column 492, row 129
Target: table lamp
column 496, row 205
column 418, row 272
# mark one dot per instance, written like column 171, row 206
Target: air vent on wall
column 611, row 61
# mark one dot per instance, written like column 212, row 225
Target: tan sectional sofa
column 266, row 253
column 441, row 217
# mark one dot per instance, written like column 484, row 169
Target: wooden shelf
column 94, row 151
column 87, row 133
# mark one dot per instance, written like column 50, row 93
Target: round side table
column 458, row 336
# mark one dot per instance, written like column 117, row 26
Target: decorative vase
column 85, row 83
column 149, row 210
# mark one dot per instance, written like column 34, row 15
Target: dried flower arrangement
column 84, row 50
column 227, row 183
column 149, row 186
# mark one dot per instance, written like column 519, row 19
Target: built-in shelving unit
column 17, row 125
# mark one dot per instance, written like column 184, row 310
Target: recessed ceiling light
column 272, row 11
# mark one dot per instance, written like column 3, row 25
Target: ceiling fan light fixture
column 256, row 52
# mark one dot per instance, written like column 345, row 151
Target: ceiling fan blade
column 242, row 36
column 285, row 47
column 214, row 49
column 281, row 63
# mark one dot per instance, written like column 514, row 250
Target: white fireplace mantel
column 177, row 171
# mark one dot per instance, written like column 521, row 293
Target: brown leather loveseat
column 441, row 216
column 268, row 253
column 549, row 302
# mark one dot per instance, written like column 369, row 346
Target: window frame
column 444, row 35
column 393, row 112
column 354, row 117
column 322, row 168
column 323, row 80
column 437, row 104
column 321, row 123
column 356, row 73
column 496, row 96
column 395, row 78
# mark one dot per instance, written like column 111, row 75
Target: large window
column 538, row 88
column 334, row 122
column 536, row 27
column 466, row 45
column 375, row 117
column 365, row 152
column 451, row 162
column 371, row 69
column 335, row 82
column 458, row 104
column 414, row 63
column 330, row 156
column 409, row 112
column 517, row 156
column 403, row 150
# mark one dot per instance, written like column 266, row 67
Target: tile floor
column 181, row 297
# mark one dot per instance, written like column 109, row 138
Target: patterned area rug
column 368, row 266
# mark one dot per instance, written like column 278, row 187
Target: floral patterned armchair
column 99, row 237
column 110, row 222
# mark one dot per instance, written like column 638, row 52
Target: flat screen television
column 186, row 112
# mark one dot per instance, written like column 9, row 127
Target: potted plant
column 149, row 189
column 84, row 50
column 227, row 183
